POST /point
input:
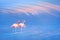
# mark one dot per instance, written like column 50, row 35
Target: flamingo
column 19, row 25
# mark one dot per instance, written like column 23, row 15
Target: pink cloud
column 52, row 6
column 34, row 9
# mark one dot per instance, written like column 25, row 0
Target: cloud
column 52, row 6
column 36, row 9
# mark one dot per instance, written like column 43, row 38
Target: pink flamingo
column 18, row 24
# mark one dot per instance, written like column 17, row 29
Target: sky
column 42, row 19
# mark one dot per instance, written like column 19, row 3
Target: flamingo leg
column 21, row 29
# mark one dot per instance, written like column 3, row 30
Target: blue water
column 30, row 32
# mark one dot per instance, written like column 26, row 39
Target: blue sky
column 42, row 19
